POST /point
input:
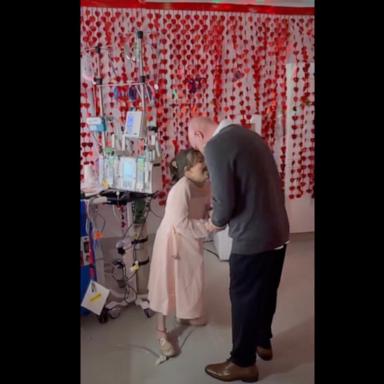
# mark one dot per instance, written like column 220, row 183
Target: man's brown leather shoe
column 229, row 371
column 264, row 353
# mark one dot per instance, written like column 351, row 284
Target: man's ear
column 199, row 135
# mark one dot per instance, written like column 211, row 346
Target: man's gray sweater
column 246, row 190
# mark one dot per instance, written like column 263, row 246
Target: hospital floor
column 124, row 350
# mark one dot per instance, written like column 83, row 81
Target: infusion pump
column 136, row 174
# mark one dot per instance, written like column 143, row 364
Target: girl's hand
column 212, row 228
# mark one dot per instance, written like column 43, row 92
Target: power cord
column 214, row 253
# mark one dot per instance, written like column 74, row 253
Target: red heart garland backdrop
column 220, row 64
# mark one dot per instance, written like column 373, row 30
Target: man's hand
column 212, row 228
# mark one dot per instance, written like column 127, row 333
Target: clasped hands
column 212, row 227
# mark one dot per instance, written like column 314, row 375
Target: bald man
column 247, row 195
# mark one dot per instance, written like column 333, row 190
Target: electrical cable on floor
column 185, row 339
column 208, row 250
column 160, row 358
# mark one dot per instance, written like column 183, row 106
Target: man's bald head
column 200, row 130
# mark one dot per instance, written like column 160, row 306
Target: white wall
column 301, row 214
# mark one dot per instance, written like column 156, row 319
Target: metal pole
column 99, row 82
column 139, row 58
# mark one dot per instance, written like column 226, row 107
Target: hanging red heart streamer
column 240, row 56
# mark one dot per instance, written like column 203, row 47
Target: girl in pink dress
column 175, row 283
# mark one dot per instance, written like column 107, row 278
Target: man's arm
column 222, row 184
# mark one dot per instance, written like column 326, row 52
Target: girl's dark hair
column 184, row 160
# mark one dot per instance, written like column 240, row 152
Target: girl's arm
column 179, row 202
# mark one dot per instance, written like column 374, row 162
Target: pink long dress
column 175, row 283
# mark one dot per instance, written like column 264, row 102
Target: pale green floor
column 123, row 351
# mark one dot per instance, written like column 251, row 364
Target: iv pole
column 139, row 57
column 98, row 83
